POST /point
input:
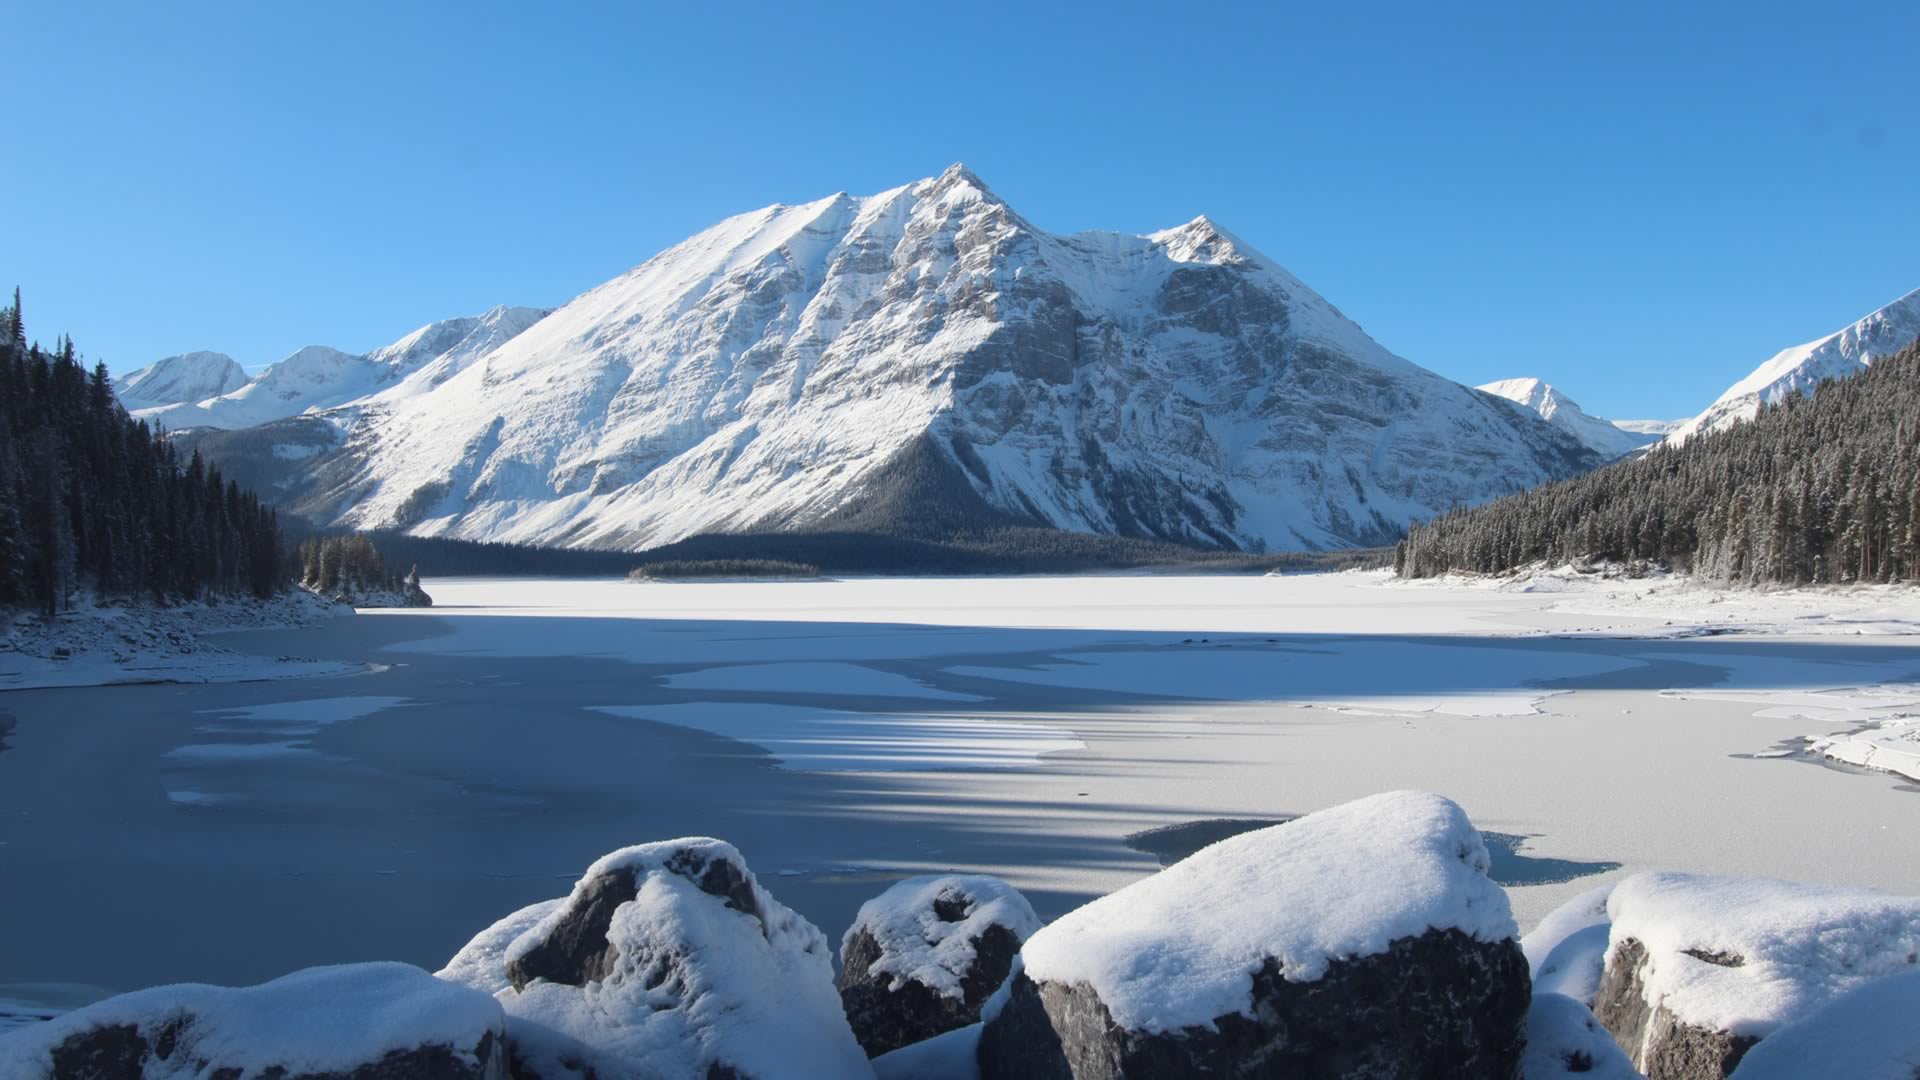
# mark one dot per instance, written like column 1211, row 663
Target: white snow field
column 847, row 735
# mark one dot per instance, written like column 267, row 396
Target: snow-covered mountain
column 1799, row 369
column 924, row 358
column 1658, row 429
column 1603, row 437
column 318, row 377
column 188, row 377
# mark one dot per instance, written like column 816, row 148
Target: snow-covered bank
column 144, row 642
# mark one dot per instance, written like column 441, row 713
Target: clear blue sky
column 1638, row 202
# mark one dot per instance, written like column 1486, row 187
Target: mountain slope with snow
column 1603, row 437
column 188, row 377
column 318, row 377
column 1799, row 369
column 927, row 359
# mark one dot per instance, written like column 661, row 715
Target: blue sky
column 1638, row 202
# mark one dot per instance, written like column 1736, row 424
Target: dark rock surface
column 975, row 922
column 1659, row 1043
column 1440, row 1005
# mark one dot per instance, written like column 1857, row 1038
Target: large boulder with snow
column 353, row 1022
column 921, row 958
column 1871, row 1032
column 1362, row 941
column 1699, row 969
column 667, row 960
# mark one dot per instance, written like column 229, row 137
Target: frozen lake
column 844, row 734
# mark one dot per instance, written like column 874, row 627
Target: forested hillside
column 91, row 499
column 1816, row 489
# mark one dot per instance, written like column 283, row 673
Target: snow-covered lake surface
column 847, row 734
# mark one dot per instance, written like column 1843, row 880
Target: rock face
column 921, row 958
column 1700, row 969
column 667, row 960
column 1252, row 958
column 926, row 357
column 354, row 1022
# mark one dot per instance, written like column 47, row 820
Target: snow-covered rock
column 349, row 1022
column 1603, row 437
column 1564, row 1040
column 952, row 1056
column 1799, row 369
column 921, row 958
column 1364, row 940
column 1701, row 968
column 1871, row 1032
column 176, row 380
column 874, row 362
column 317, row 377
column 1567, row 950
column 667, row 960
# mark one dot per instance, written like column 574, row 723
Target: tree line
column 1816, row 489
column 351, row 566
column 91, row 498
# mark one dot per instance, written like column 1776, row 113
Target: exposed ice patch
column 829, row 740
column 811, row 678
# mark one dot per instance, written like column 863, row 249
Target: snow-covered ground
column 848, row 734
column 144, row 643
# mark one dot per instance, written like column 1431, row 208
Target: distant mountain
column 920, row 360
column 188, row 377
column 1799, row 369
column 318, row 377
column 1661, row 428
column 1603, row 437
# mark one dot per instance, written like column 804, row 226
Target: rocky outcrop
column 921, row 958
column 1700, row 969
column 354, row 1022
column 666, row 960
column 1250, row 958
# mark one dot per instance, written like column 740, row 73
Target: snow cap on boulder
column 922, row 957
column 1564, row 1040
column 1364, row 940
column 1701, row 967
column 376, row 1019
column 1181, row 947
column 1871, row 1032
column 670, row 960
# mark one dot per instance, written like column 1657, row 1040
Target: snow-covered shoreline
column 149, row 643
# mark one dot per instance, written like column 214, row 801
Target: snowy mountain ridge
column 1605, row 437
column 924, row 358
column 318, row 377
column 1799, row 369
column 190, row 376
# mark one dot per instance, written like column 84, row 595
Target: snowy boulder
column 1564, row 1040
column 1364, row 940
column 921, row 958
column 1567, row 950
column 667, row 960
column 353, row 1022
column 1701, row 968
column 1871, row 1032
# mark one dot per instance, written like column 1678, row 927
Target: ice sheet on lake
column 1884, row 718
column 253, row 734
column 1387, row 677
column 811, row 678
column 829, row 740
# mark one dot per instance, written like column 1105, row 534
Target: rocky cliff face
column 928, row 358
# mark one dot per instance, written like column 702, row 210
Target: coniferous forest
column 93, row 500
column 1815, row 489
